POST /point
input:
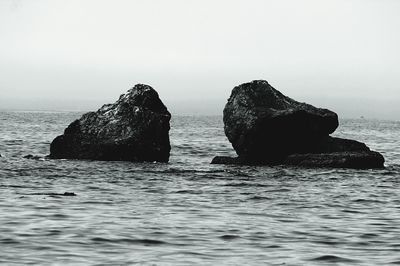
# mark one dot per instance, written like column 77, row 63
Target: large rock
column 263, row 124
column 135, row 128
column 267, row 127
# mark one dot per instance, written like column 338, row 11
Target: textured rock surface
column 357, row 160
column 135, row 128
column 228, row 160
column 267, row 127
column 328, row 144
column 345, row 159
column 263, row 124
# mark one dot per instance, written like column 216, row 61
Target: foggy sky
column 78, row 54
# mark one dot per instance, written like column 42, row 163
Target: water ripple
column 189, row 212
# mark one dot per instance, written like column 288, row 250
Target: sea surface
column 188, row 212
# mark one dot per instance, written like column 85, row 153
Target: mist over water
column 188, row 211
column 78, row 55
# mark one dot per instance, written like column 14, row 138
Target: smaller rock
column 32, row 157
column 238, row 161
column 65, row 194
column 69, row 194
column 355, row 160
column 227, row 160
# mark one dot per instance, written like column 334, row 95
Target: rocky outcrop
column 263, row 124
column 347, row 159
column 266, row 127
column 135, row 128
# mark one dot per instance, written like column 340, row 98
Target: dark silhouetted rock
column 263, row 124
column 135, row 128
column 228, row 160
column 328, row 152
column 330, row 144
column 357, row 160
column 32, row 157
column 361, row 159
column 65, row 194
column 267, row 127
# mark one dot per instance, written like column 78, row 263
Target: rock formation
column 267, row 127
column 33, row 157
column 357, row 160
column 135, row 128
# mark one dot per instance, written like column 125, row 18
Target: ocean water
column 188, row 212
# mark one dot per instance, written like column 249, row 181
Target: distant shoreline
column 175, row 114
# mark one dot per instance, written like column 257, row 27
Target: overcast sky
column 79, row 54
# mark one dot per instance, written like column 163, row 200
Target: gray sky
column 79, row 54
